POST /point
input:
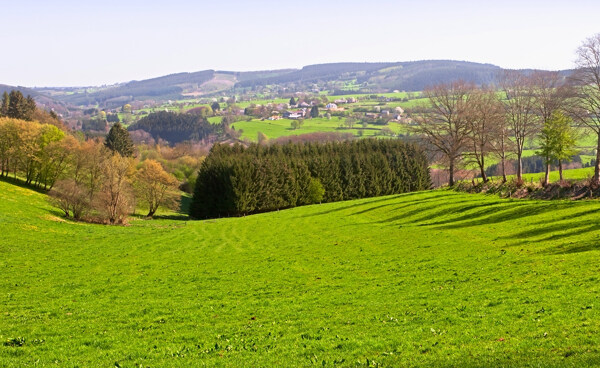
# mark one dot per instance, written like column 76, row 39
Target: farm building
column 296, row 114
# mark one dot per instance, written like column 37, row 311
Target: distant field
column 576, row 174
column 429, row 279
column 280, row 128
column 364, row 95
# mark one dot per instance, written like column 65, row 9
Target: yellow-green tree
column 557, row 142
column 154, row 186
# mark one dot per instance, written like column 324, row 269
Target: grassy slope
column 434, row 278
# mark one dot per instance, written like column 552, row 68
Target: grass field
column 281, row 128
column 426, row 279
column 573, row 174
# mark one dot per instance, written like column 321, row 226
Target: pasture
column 435, row 278
column 282, row 127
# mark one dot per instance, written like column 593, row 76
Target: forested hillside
column 408, row 76
column 175, row 128
column 166, row 87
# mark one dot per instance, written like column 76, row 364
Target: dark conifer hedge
column 234, row 180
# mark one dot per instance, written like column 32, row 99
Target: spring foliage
column 234, row 180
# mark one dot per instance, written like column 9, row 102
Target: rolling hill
column 435, row 278
column 348, row 77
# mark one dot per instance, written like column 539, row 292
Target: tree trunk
column 451, row 173
column 560, row 174
column 519, row 167
column 547, row 175
column 482, row 169
column 503, row 169
column 596, row 180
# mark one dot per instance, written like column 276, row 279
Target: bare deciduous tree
column 587, row 77
column 443, row 123
column 90, row 157
column 485, row 117
column 70, row 197
column 520, row 109
column 115, row 199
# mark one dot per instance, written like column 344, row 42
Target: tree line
column 17, row 106
column 462, row 122
column 174, row 128
column 96, row 180
column 235, row 180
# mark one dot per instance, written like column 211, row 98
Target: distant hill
column 167, row 87
column 349, row 77
column 408, row 76
column 24, row 90
column 43, row 100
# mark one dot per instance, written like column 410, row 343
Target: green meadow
column 435, row 278
column 282, row 127
column 573, row 174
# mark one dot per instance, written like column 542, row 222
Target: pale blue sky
column 67, row 43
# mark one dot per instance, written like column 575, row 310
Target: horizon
column 116, row 42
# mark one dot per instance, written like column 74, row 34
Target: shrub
column 71, row 198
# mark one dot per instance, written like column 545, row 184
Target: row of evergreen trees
column 17, row 106
column 235, row 180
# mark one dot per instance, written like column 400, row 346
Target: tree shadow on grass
column 552, row 229
column 576, row 215
column 488, row 210
column 372, row 200
column 514, row 214
column 175, row 216
column 21, row 184
column 565, row 247
column 572, row 248
column 55, row 212
column 403, row 204
column 577, row 249
column 438, row 211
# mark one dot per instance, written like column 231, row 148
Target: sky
column 88, row 43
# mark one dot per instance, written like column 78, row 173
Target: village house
column 274, row 116
column 296, row 114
